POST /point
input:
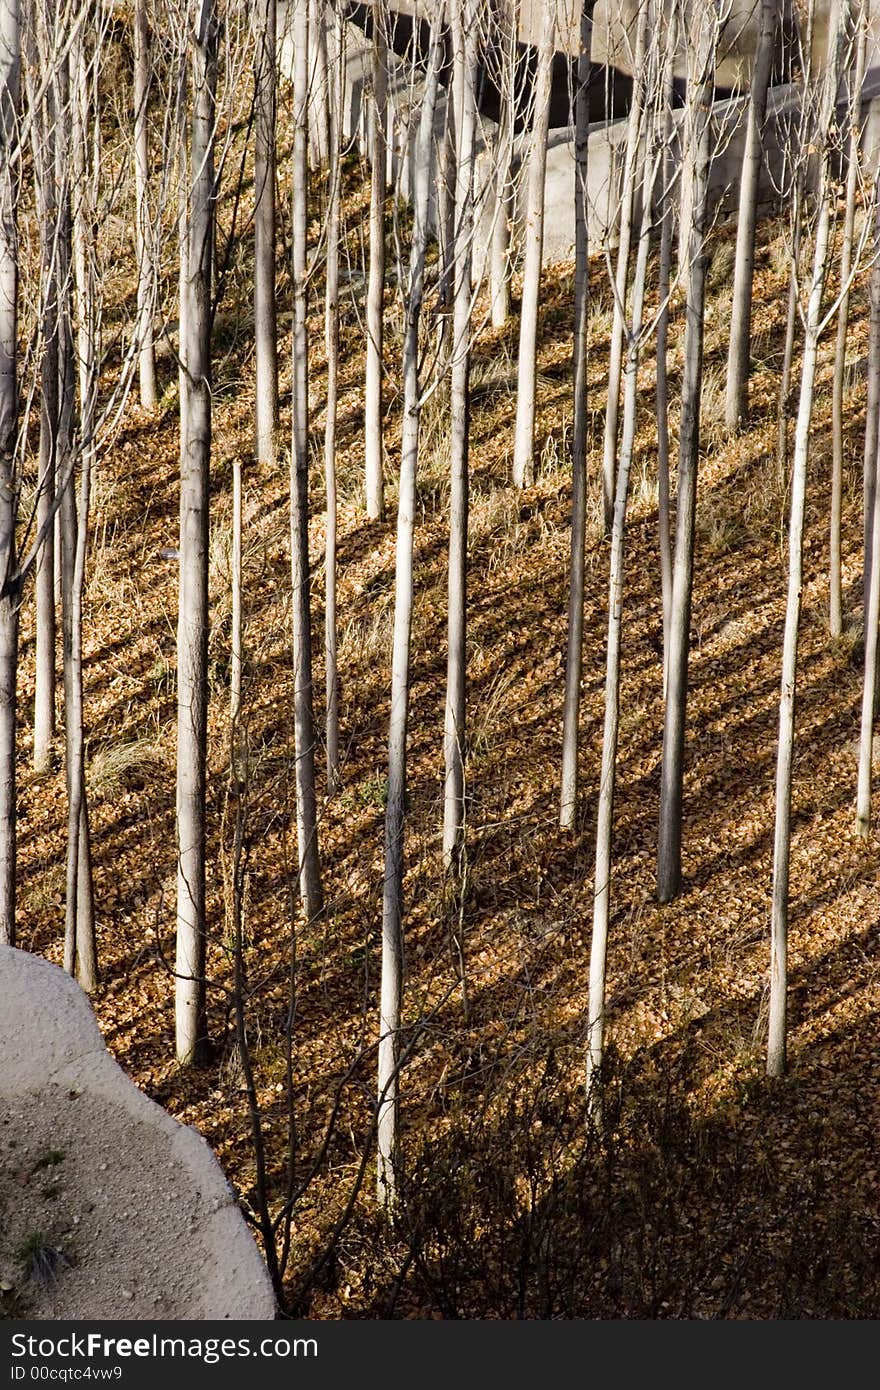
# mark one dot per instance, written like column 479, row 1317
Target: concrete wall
column 606, row 149
column 139, row 1220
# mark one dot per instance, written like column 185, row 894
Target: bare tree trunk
column 43, row 133
column 265, row 330
column 192, row 632
column 524, row 438
column 10, row 41
column 872, row 416
column 445, row 193
column 80, row 955
column 331, row 329
column 86, row 181
column 739, row 349
column 791, row 320
column 319, row 86
column 265, row 319
column 183, row 202
column 835, row 598
column 236, row 641
column 303, row 718
column 8, row 706
column 465, row 38
column 373, row 432
column 872, row 607
column 391, row 990
column 499, row 250
column 777, row 1028
column 146, row 263
column 664, row 282
column 804, row 27
column 605, row 810
column 701, row 41
column 574, row 647
column 625, row 231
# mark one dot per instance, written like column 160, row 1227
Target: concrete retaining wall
column 110, row 1208
column 606, row 150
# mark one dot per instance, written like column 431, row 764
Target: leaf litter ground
column 710, row 1192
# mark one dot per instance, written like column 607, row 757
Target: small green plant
column 372, row 791
column 39, row 1260
column 49, row 1159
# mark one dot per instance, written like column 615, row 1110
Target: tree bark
column 265, row 329
column 524, row 438
column 465, row 39
column 192, row 632
column 575, row 641
column 311, row 891
column 331, row 330
column 605, row 810
column 777, row 1027
column 146, row 264
column 664, row 286
column 499, row 250
column 835, row 596
column 621, row 279
column 872, row 606
column 10, row 51
column 80, row 952
column 43, row 133
column 696, row 139
column 391, row 988
column 739, row 349
column 373, row 431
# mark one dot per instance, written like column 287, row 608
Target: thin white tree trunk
column 445, row 195
column 146, row 264
column 10, row 40
column 777, row 1026
column 265, row 331
column 835, row 596
column 192, row 631
column 605, row 810
column 574, row 646
column 664, row 284
column 702, row 39
column 465, row 38
column 319, row 86
column 373, row 431
column 872, row 615
column 499, row 250
column 391, row 987
column 43, row 132
column 80, row 954
column 624, row 226
column 524, row 436
column 872, row 415
column 86, row 181
column 183, row 201
column 331, row 330
column 739, row 348
column 311, row 891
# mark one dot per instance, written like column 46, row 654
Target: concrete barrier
column 606, row 148
column 111, row 1209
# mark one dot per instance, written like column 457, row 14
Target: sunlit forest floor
column 711, row 1192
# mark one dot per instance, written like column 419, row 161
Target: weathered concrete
column 132, row 1210
column 607, row 140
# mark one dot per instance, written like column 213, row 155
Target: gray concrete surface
column 606, row 150
column 129, row 1210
